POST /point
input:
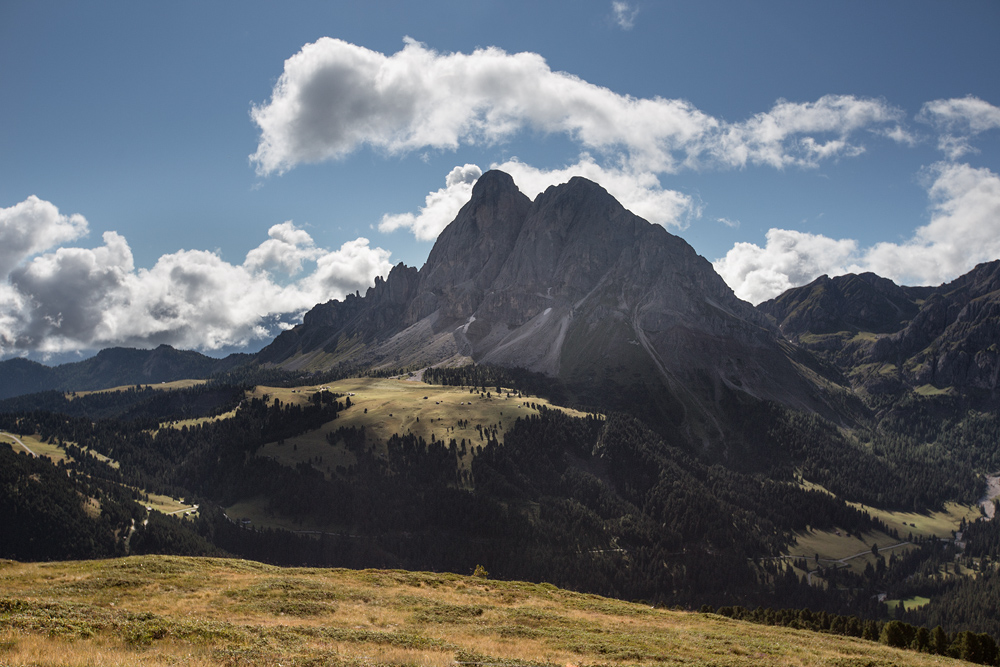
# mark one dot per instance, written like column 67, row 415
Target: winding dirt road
column 18, row 441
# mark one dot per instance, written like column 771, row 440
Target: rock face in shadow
column 574, row 286
column 889, row 338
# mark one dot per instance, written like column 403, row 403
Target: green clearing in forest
column 387, row 406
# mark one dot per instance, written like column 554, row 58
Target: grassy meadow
column 50, row 451
column 386, row 406
column 838, row 548
column 162, row 386
column 159, row 610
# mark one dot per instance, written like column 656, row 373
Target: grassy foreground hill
column 161, row 610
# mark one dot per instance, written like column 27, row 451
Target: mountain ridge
column 890, row 338
column 112, row 367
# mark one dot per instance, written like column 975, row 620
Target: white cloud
column 440, row 207
column 963, row 231
column 351, row 268
column 69, row 293
column 959, row 120
column 335, row 97
column 783, row 136
column 624, row 14
column 732, row 224
column 79, row 298
column 285, row 250
column 900, row 135
column 31, row 227
column 788, row 259
column 11, row 317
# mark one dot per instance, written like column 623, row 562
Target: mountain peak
column 493, row 183
column 572, row 285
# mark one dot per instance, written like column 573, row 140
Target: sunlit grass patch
column 160, row 386
column 907, row 604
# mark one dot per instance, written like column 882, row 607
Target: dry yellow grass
column 50, row 451
column 162, row 386
column 157, row 610
column 197, row 421
column 53, row 452
column 932, row 524
column 853, row 552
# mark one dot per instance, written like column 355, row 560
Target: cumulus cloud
column 351, row 268
column 88, row 298
column 440, row 207
column 624, row 14
column 285, row 250
column 334, row 97
column 959, row 120
column 70, row 291
column 788, row 259
column 31, row 227
column 964, row 230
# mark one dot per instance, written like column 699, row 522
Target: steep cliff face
column 572, row 285
column 888, row 338
column 472, row 250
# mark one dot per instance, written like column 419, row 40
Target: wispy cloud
column 959, row 120
column 624, row 14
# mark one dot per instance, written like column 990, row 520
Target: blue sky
column 199, row 174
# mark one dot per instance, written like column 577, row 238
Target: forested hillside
column 600, row 503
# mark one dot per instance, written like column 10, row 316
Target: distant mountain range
column 888, row 338
column 113, row 367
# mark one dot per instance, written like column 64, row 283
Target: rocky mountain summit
column 889, row 338
column 571, row 285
